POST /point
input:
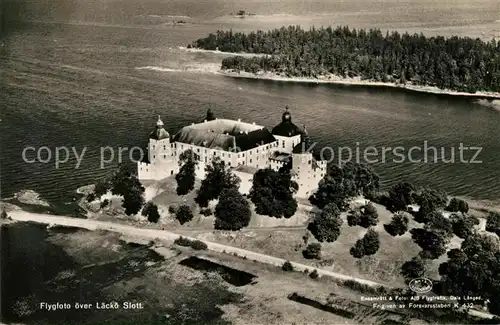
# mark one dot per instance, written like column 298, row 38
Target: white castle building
column 245, row 147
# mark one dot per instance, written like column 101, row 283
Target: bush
column 184, row 214
column 172, row 209
column 287, row 266
column 314, row 274
column 312, row 251
column 3, row 215
column 206, row 212
column 194, row 244
column 104, row 203
column 182, row 241
column 198, row 245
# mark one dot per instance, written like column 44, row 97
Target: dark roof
column 246, row 141
column 225, row 135
column 159, row 133
column 286, row 129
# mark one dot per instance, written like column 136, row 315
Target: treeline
column 456, row 63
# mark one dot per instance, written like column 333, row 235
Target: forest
column 456, row 63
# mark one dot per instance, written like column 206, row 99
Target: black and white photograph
column 258, row 162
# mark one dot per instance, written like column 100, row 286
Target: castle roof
column 159, row 133
column 223, row 134
column 286, row 128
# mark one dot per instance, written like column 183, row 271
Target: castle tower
column 287, row 133
column 159, row 144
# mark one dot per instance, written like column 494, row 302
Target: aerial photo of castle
column 245, row 147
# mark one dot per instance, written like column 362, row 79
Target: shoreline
column 356, row 81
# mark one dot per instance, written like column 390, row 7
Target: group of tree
column 368, row 245
column 413, row 269
column 272, row 193
column 186, row 176
column 456, row 63
column 218, row 177
column 473, row 270
column 341, row 183
column 326, row 225
column 123, row 182
column 366, row 217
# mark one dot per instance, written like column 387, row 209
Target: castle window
column 283, row 144
column 164, row 147
column 164, row 156
column 309, row 162
column 250, row 160
column 257, row 150
column 198, row 150
column 243, row 154
column 182, row 146
column 223, row 155
column 205, row 159
column 238, row 155
column 215, row 153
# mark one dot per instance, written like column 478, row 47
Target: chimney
column 239, row 120
column 253, row 123
column 205, row 121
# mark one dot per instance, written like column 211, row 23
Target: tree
column 218, row 178
column 233, row 210
column 398, row 225
column 272, row 193
column 433, row 243
column 102, row 187
column 184, row 214
column 463, row 225
column 186, row 176
column 326, row 225
column 369, row 216
column 439, row 224
column 150, row 211
column 493, row 223
column 457, row 205
column 429, row 200
column 4, row 214
column 312, row 251
column 400, row 196
column 366, row 217
column 124, row 182
column 371, row 242
column 368, row 245
column 353, row 218
column 358, row 250
column 415, row 268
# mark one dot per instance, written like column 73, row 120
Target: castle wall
column 286, row 144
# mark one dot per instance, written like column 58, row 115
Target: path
column 153, row 234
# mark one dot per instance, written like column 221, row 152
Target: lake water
column 71, row 76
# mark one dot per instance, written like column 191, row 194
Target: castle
column 244, row 147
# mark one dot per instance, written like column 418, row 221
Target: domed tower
column 210, row 115
column 159, row 143
column 286, row 133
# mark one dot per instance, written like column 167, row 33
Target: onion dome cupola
column 159, row 133
column 286, row 128
column 210, row 115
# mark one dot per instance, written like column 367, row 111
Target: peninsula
column 455, row 65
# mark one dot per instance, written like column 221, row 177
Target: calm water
column 71, row 77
